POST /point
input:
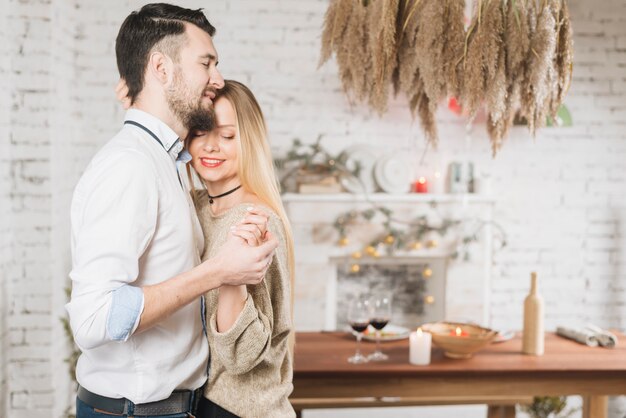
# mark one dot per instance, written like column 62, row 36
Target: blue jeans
column 85, row 411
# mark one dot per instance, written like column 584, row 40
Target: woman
column 249, row 327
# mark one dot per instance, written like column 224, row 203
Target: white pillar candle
column 438, row 182
column 419, row 349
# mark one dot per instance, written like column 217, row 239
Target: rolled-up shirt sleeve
column 113, row 216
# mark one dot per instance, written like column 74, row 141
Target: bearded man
column 137, row 282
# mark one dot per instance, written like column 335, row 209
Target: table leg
column 509, row 411
column 500, row 411
column 494, row 411
column 596, row 406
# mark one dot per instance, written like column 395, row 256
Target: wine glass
column 380, row 315
column 359, row 319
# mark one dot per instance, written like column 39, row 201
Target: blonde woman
column 249, row 327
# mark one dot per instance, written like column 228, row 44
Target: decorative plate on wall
column 393, row 174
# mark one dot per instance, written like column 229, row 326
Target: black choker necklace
column 223, row 194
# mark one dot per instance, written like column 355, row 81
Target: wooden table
column 321, row 372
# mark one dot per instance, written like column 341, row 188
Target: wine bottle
column 533, row 334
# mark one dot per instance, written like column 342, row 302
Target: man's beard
column 189, row 111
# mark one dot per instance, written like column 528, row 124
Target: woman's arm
column 264, row 320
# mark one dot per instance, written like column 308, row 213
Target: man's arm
column 237, row 263
column 113, row 220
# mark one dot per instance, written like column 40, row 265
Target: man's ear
column 161, row 68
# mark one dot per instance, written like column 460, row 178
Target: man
column 136, row 307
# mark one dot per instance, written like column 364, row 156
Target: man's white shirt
column 133, row 225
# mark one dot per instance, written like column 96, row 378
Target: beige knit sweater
column 250, row 368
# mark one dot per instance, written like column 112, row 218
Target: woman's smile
column 211, row 162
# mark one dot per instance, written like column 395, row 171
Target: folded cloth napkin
column 590, row 335
column 605, row 338
column 580, row 335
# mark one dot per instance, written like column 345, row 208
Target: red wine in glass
column 380, row 306
column 359, row 319
column 359, row 326
column 379, row 323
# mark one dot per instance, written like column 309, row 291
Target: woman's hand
column 253, row 228
column 121, row 93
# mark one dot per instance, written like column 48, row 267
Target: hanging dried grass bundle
column 335, row 22
column 498, row 121
column 408, row 60
column 382, row 41
column 540, row 69
column 517, row 45
column 483, row 49
column 497, row 88
column 420, row 106
column 454, row 43
column 359, row 57
column 564, row 57
column 517, row 39
column 346, row 75
column 427, row 119
column 409, row 79
column 430, row 44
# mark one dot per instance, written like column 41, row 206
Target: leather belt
column 179, row 402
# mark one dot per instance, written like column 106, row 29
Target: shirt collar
column 170, row 140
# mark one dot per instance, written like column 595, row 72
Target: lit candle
column 421, row 186
column 458, row 332
column 419, row 349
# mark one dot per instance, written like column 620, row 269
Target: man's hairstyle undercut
column 155, row 23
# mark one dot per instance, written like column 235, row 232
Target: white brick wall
column 561, row 197
column 64, row 137
column 38, row 177
column 28, row 367
column 5, row 204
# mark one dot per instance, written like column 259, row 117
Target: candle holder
column 459, row 340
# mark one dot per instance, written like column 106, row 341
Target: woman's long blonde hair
column 256, row 168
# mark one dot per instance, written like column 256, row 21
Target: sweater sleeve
column 265, row 319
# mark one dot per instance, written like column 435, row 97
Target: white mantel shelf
column 388, row 198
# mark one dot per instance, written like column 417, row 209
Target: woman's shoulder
column 200, row 198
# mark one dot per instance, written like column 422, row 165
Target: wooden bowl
column 472, row 338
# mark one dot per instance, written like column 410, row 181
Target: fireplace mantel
column 312, row 216
column 389, row 198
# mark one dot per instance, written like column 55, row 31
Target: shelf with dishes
column 370, row 173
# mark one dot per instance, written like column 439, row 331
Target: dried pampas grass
column 516, row 47
column 564, row 57
column 430, row 44
column 335, row 22
column 454, row 45
column 408, row 61
column 410, row 78
column 484, row 42
column 382, row 40
column 516, row 57
column 358, row 55
column 539, row 69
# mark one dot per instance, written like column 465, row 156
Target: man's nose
column 216, row 79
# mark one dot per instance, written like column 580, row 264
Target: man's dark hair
column 145, row 28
